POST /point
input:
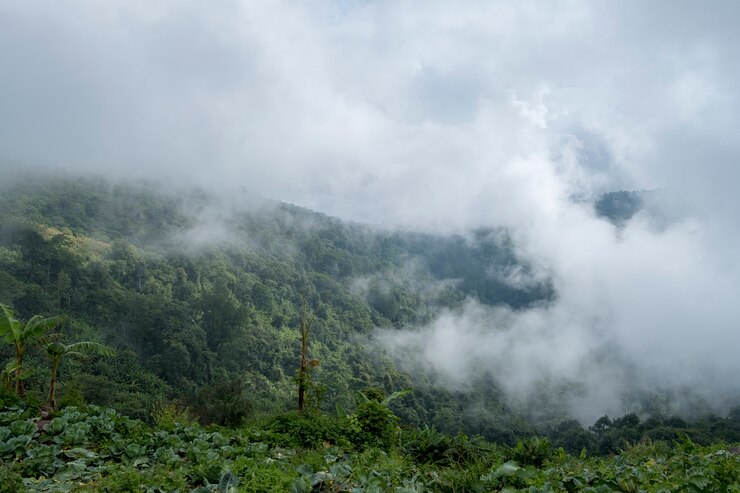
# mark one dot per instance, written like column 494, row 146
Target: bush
column 11, row 481
column 373, row 425
column 71, row 395
column 121, row 480
column 309, row 430
column 168, row 415
column 425, row 446
column 571, row 436
column 9, row 399
column 224, row 403
column 532, row 451
column 125, row 479
column 428, row 446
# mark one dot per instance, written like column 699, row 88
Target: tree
column 22, row 337
column 373, row 422
column 57, row 350
column 303, row 370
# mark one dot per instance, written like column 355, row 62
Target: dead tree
column 303, row 370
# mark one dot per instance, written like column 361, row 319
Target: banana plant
column 362, row 397
column 386, row 401
column 22, row 337
column 57, row 350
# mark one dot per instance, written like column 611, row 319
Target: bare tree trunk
column 53, row 385
column 20, row 389
column 304, row 363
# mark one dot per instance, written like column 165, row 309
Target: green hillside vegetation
column 203, row 300
column 199, row 319
column 96, row 449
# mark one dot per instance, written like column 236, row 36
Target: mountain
column 619, row 207
column 203, row 296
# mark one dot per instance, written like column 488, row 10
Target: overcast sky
column 388, row 111
column 439, row 115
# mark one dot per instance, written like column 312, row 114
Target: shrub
column 373, row 425
column 224, row 402
column 309, row 430
column 532, row 451
column 428, row 446
column 168, row 416
column 11, row 481
column 71, row 395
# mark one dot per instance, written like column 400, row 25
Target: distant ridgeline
column 203, row 297
column 619, row 207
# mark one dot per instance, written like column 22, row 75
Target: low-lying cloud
column 638, row 311
column 436, row 116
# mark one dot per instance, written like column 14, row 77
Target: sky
column 438, row 116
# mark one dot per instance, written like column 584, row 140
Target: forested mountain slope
column 203, row 295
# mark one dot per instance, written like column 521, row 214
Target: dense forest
column 202, row 297
column 201, row 307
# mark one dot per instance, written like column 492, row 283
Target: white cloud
column 434, row 115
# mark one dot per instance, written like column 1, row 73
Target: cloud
column 650, row 312
column 435, row 116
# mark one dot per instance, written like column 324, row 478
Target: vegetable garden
column 98, row 449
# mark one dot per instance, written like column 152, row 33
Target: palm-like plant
column 22, row 337
column 58, row 350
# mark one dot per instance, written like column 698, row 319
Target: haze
column 436, row 116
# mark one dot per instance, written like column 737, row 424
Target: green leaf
column 21, row 428
column 70, row 470
column 506, row 470
column 228, row 482
column 340, row 470
column 16, row 444
column 8, row 324
column 24, row 374
column 86, row 347
column 396, row 395
column 140, row 461
column 11, row 367
column 56, row 426
column 37, row 326
column 80, row 453
column 340, row 410
column 300, row 485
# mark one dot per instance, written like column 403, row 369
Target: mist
column 441, row 118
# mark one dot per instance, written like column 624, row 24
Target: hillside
column 202, row 295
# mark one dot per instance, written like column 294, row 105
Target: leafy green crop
column 97, row 449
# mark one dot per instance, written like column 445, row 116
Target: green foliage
column 428, row 446
column 10, row 400
column 114, row 257
column 97, row 449
column 22, row 337
column 56, row 350
column 168, row 416
column 71, row 396
column 533, row 451
column 309, row 430
column 213, row 324
column 373, row 424
column 12, row 481
column 224, row 402
column 304, row 377
column 571, row 436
